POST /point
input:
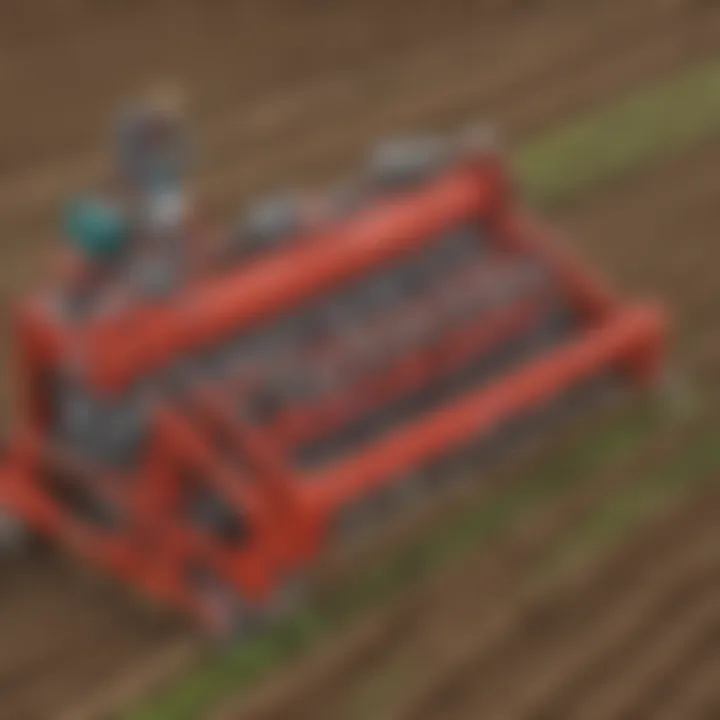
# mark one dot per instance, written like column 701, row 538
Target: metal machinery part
column 233, row 424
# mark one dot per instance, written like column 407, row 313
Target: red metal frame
column 406, row 375
column 289, row 512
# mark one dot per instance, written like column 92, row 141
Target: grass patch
column 691, row 467
column 555, row 169
column 579, row 156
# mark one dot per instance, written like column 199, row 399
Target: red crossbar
column 302, row 424
column 146, row 338
column 624, row 339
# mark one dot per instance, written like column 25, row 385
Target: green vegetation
column 664, row 119
column 556, row 169
column 692, row 466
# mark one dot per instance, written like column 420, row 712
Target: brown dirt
column 559, row 654
column 286, row 95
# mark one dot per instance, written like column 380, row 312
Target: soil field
column 283, row 99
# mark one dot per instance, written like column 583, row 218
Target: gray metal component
column 156, row 277
column 397, row 164
column 108, row 431
column 550, row 329
column 153, row 143
column 76, row 303
column 180, row 376
column 341, row 317
column 379, row 294
column 451, row 253
column 210, row 513
column 518, row 279
column 270, row 222
column 457, row 247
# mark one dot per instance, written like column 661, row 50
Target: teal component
column 97, row 228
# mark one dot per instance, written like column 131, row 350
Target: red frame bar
column 291, row 533
column 22, row 493
column 145, row 339
column 302, row 424
column 182, row 448
column 632, row 337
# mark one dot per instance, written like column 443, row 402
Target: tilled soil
column 573, row 652
column 286, row 96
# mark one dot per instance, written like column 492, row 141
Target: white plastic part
column 167, row 211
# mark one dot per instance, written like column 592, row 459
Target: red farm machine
column 204, row 443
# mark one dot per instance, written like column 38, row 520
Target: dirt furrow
column 497, row 73
column 225, row 53
column 691, row 692
column 541, row 635
column 635, row 229
column 339, row 102
column 49, row 689
column 648, row 659
column 247, row 137
column 297, row 79
column 530, row 103
column 638, row 647
column 461, row 635
column 37, row 619
column 92, row 649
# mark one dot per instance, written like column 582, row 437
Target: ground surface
column 281, row 98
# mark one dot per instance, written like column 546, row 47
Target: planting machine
column 201, row 433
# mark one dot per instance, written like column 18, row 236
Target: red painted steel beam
column 633, row 338
column 407, row 375
column 190, row 451
column 148, row 337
